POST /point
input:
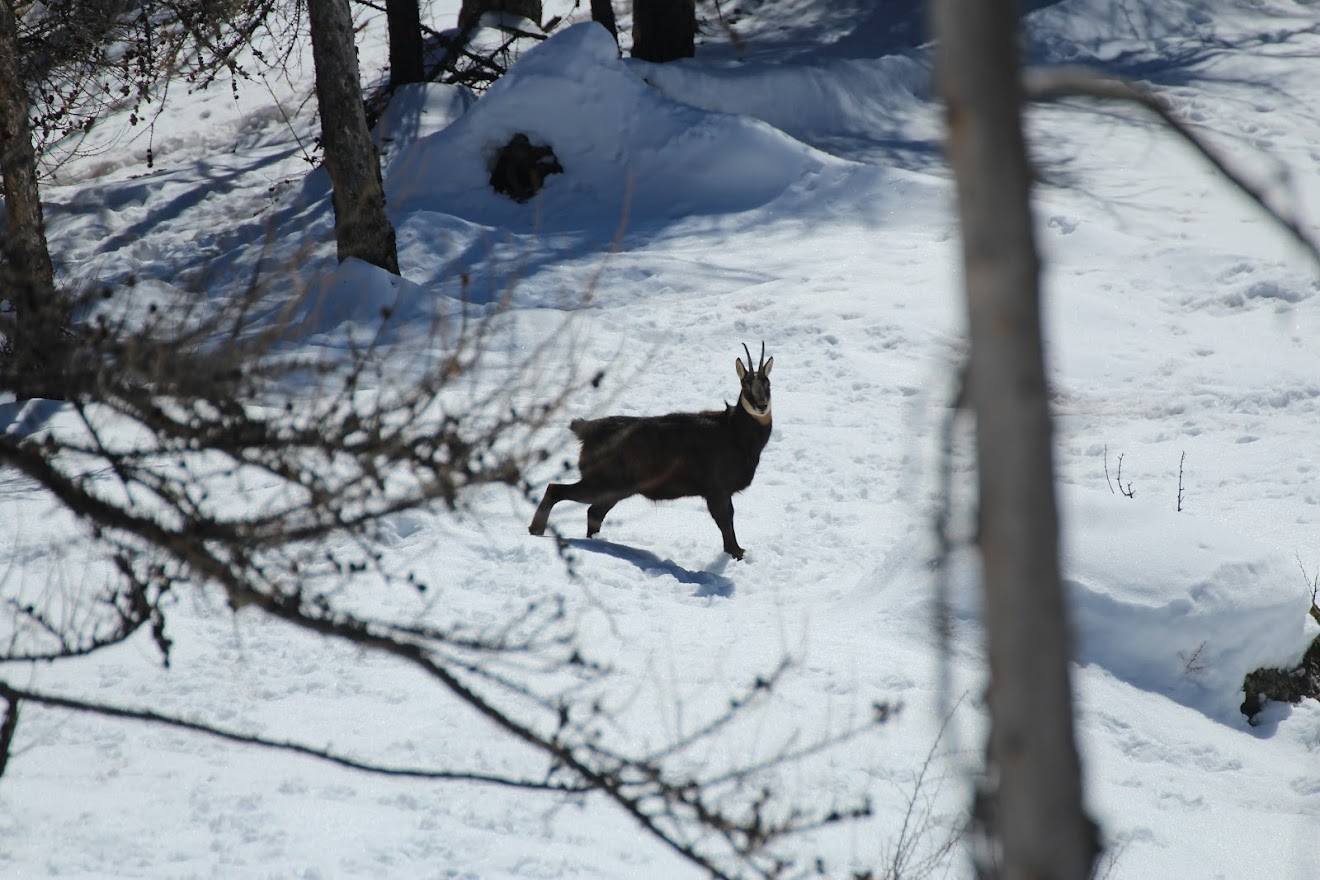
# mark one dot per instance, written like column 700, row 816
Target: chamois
column 710, row 455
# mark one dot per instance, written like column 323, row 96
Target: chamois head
column 755, row 396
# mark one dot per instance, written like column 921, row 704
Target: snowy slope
column 796, row 197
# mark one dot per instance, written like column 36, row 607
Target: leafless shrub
column 85, row 60
column 927, row 840
column 1127, row 491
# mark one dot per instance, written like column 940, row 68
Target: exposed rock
column 1283, row 685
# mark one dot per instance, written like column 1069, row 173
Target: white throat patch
column 763, row 418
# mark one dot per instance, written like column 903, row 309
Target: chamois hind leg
column 596, row 514
column 721, row 510
column 584, row 491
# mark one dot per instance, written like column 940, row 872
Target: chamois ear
column 765, row 371
column 742, row 371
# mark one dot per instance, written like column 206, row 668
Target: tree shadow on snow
column 708, row 582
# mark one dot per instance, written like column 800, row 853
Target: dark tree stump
column 520, row 168
column 1282, row 685
column 664, row 30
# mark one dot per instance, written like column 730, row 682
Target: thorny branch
column 1181, row 461
column 1314, row 584
column 1127, row 490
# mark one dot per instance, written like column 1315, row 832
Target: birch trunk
column 1037, row 823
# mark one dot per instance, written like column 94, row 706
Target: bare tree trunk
column 362, row 228
column 469, row 15
column 664, row 30
column 33, row 350
column 1034, row 772
column 405, row 27
column 602, row 12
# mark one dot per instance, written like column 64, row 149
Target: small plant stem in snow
column 1181, row 460
column 1128, row 491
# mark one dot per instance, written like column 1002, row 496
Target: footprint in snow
column 1065, row 225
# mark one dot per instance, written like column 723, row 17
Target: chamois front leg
column 554, row 493
column 721, row 510
column 585, row 491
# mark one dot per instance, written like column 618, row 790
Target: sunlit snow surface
column 793, row 192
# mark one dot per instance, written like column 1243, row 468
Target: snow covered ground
column 793, row 192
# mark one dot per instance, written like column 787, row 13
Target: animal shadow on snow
column 707, row 582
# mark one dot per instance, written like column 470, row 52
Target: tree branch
column 8, row 725
column 179, row 418
column 14, row 695
column 1052, row 84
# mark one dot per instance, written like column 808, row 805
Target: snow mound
column 417, row 111
column 835, row 98
column 626, row 149
column 357, row 302
column 1177, row 605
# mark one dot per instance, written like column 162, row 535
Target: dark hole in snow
column 521, row 167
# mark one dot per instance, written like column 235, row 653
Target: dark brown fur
column 710, row 455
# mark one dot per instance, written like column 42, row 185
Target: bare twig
column 1181, row 460
column 90, row 60
column 1192, row 662
column 1314, row 584
column 1128, row 491
column 919, row 823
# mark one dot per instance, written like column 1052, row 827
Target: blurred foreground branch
column 1056, row 83
column 219, row 453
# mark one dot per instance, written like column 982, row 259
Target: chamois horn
column 750, row 368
